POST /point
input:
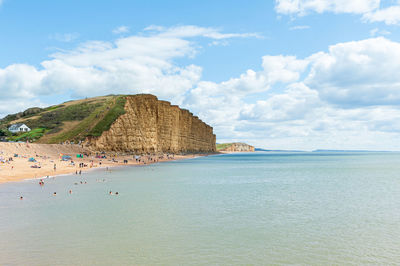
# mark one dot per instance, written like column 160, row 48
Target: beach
column 20, row 161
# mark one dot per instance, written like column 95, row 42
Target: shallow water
column 257, row 209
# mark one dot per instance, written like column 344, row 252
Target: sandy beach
column 19, row 161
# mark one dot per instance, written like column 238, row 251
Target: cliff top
column 234, row 146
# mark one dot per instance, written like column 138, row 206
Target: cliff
column 235, row 147
column 153, row 126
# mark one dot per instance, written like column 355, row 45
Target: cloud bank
column 370, row 10
column 345, row 97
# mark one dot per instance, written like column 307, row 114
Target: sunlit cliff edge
column 125, row 123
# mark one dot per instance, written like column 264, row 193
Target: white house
column 19, row 128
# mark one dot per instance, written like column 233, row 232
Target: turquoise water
column 254, row 209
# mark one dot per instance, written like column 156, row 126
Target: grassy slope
column 113, row 113
column 223, row 146
column 33, row 135
column 89, row 117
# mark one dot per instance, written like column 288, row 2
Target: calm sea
column 254, row 209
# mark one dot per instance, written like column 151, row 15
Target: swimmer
column 110, row 192
column 70, row 191
column 21, row 198
column 55, row 193
column 116, row 193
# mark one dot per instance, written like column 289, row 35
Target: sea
column 262, row 208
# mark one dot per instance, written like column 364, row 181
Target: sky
column 278, row 74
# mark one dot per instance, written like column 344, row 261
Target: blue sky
column 284, row 74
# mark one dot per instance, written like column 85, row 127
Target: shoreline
column 15, row 164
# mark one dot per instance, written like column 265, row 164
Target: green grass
column 223, row 146
column 82, row 129
column 113, row 113
column 51, row 108
column 54, row 120
column 33, row 135
column 94, row 116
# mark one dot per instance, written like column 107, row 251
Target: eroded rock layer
column 239, row 147
column 153, row 126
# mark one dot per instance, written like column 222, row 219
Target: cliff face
column 151, row 126
column 238, row 147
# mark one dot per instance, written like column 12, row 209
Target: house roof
column 16, row 126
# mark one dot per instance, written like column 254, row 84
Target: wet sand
column 15, row 164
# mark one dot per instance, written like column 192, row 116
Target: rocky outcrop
column 238, row 147
column 153, row 126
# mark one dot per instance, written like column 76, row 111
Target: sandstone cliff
column 153, row 126
column 235, row 147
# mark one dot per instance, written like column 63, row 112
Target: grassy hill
column 72, row 121
column 223, row 146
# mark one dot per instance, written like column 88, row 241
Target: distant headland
column 235, row 147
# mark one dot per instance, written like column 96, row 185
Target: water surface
column 257, row 209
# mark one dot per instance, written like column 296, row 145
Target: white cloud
column 370, row 10
column 65, row 37
column 358, row 73
column 195, row 31
column 377, row 32
column 303, row 7
column 20, row 81
column 299, row 27
column 121, row 29
column 389, row 15
column 135, row 64
column 347, row 97
column 293, row 104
